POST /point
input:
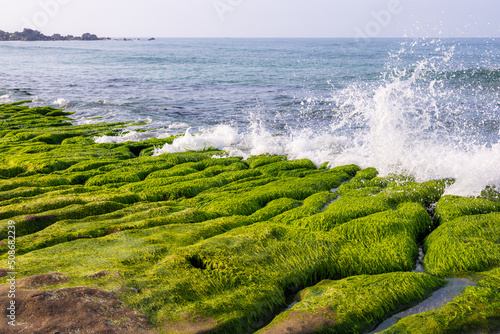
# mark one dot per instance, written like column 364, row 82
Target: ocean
column 428, row 107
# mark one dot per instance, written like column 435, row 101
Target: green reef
column 199, row 242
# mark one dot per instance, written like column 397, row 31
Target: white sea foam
column 61, row 102
column 221, row 137
column 129, row 136
column 388, row 152
column 178, row 126
column 6, row 98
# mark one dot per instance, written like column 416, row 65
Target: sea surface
column 429, row 107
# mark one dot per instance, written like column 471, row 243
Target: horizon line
column 311, row 37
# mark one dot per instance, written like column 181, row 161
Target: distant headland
column 35, row 35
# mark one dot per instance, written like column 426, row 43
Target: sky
column 255, row 18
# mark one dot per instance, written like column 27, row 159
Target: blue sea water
column 429, row 107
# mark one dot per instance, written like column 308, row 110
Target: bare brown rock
column 191, row 324
column 304, row 322
column 4, row 272
column 40, row 281
column 102, row 273
column 72, row 310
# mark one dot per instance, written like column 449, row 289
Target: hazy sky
column 255, row 18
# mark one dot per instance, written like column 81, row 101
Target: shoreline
column 301, row 118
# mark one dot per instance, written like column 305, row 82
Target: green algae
column 244, row 202
column 491, row 193
column 235, row 259
column 475, row 310
column 465, row 244
column 451, row 207
column 343, row 210
column 312, row 205
column 354, row 304
column 186, row 235
column 282, row 167
column 261, row 160
column 467, row 239
column 366, row 194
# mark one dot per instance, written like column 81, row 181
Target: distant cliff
column 35, row 35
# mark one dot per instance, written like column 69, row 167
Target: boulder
column 89, row 37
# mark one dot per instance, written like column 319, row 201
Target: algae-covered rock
column 365, row 194
column 491, row 193
column 352, row 305
column 451, row 207
column 467, row 239
column 475, row 310
column 199, row 242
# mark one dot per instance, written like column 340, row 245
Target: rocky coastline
column 112, row 238
column 35, row 35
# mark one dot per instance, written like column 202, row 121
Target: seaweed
column 475, row 310
column 354, row 304
column 465, row 244
column 451, row 207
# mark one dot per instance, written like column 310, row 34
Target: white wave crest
column 222, row 137
column 61, row 102
column 6, row 98
column 129, row 136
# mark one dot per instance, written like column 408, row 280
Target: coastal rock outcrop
column 35, row 35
